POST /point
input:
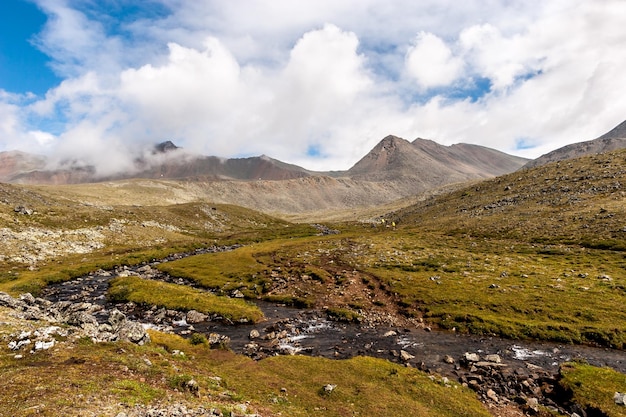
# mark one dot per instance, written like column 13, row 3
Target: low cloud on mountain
column 318, row 83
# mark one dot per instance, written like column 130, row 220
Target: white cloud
column 431, row 62
column 290, row 78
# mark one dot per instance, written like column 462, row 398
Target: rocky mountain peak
column 165, row 147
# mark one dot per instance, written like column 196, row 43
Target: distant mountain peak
column 165, row 147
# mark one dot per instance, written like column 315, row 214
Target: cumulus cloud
column 319, row 83
column 431, row 62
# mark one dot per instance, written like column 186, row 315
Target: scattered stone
column 254, row 333
column 493, row 358
column 194, row 316
column 390, row 333
column 472, row 357
column 491, row 394
column 406, row 356
column 448, row 359
column 329, row 388
column 620, row 398
column 23, row 210
column 533, row 404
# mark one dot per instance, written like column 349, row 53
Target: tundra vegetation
column 537, row 254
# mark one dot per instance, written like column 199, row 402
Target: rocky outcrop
column 84, row 319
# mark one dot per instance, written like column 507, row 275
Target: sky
column 317, row 83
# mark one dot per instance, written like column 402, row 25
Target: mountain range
column 393, row 170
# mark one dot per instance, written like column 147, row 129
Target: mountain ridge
column 424, row 160
column 613, row 140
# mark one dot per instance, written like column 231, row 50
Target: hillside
column 610, row 141
column 576, row 201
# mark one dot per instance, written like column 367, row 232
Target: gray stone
column 328, row 388
column 7, row 301
column 132, row 332
column 472, row 357
column 194, row 316
column 493, row 358
column 116, row 318
column 406, row 356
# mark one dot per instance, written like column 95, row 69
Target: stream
column 289, row 330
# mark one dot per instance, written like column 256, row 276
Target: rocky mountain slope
column 432, row 164
column 610, row 141
column 394, row 169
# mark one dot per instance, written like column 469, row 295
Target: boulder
column 194, row 316
column 132, row 332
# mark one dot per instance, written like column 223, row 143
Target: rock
column 329, row 388
column 27, row 298
column 533, row 404
column 491, row 394
column 23, row 210
column 131, row 331
column 493, row 358
column 620, row 398
column 237, row 294
column 390, row 333
column 116, row 318
column 406, row 356
column 218, row 340
column 7, row 301
column 41, row 345
column 254, row 333
column 82, row 320
column 448, row 359
column 471, row 357
column 192, row 385
column 194, row 316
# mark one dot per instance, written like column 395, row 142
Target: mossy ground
column 594, row 388
column 81, row 378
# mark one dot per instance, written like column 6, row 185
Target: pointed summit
column 391, row 153
column 165, row 147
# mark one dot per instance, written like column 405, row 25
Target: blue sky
column 315, row 83
column 23, row 66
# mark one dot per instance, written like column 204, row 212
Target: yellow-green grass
column 173, row 296
column 16, row 279
column 593, row 387
column 82, row 378
column 248, row 267
column 511, row 288
column 293, row 385
column 223, row 270
column 508, row 288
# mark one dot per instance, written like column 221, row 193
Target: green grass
column 507, row 288
column 225, row 271
column 134, row 392
column 364, row 386
column 593, row 387
column 179, row 297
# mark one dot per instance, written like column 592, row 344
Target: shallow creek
column 288, row 330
